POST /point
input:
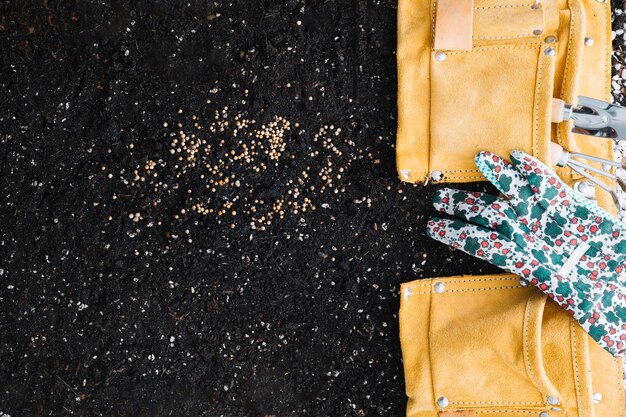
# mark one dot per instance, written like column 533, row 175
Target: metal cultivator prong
column 562, row 158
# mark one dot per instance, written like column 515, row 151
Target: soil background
column 117, row 297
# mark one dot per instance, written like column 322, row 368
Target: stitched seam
column 526, row 352
column 506, row 411
column 575, row 356
column 497, row 402
column 525, row 35
column 503, row 6
column 430, row 90
column 468, row 280
column 535, row 138
column 484, row 289
column 428, row 284
column 607, row 73
column 559, row 138
column 492, row 48
column 462, row 170
column 430, row 350
column 452, row 175
column 620, row 385
column 569, row 48
column 432, row 21
column 470, row 290
column 425, row 173
column 468, row 178
column 422, row 177
column 480, row 280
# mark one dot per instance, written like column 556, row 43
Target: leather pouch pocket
column 496, row 96
column 487, row 346
column 470, row 373
column 493, row 91
column 477, row 347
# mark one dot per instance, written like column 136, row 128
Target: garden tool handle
column 558, row 155
column 558, row 106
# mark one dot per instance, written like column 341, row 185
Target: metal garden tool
column 593, row 117
column 561, row 158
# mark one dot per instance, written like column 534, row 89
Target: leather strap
column 464, row 413
column 454, row 25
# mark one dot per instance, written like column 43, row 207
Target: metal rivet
column 442, row 402
column 550, row 39
column 550, row 51
column 597, row 397
column 589, row 41
column 523, row 282
column 436, row 175
column 586, row 188
column 552, row 400
column 537, row 32
column 407, row 293
column 536, row 5
column 544, row 414
column 440, row 56
column 438, row 288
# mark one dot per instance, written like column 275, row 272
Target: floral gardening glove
column 547, row 233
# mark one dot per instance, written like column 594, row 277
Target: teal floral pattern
column 547, row 233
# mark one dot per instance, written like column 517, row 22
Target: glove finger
column 464, row 204
column 485, row 210
column 574, row 214
column 551, row 191
column 503, row 175
column 605, row 321
column 478, row 241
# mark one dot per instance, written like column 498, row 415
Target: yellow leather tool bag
column 479, row 75
column 488, row 346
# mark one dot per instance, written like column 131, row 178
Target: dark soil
column 181, row 311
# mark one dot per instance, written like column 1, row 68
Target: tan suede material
column 498, row 95
column 612, row 374
column 495, row 348
column 492, row 347
column 505, row 21
column 468, row 413
column 594, row 73
column 488, row 345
